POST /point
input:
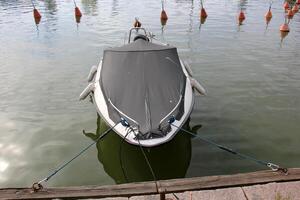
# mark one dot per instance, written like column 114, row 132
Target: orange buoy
column 137, row 23
column 295, row 8
column 284, row 28
column 77, row 19
column 283, row 35
column 36, row 14
column 163, row 22
column 241, row 17
column 286, row 5
column 37, row 21
column 202, row 20
column 77, row 12
column 163, row 15
column 268, row 15
column 290, row 14
column 203, row 13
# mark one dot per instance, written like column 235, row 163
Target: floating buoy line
column 290, row 10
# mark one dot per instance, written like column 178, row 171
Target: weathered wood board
column 269, row 191
column 211, row 185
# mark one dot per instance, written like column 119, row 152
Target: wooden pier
column 246, row 186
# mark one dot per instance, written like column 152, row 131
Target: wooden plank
column 81, row 192
column 148, row 188
column 214, row 182
column 148, row 197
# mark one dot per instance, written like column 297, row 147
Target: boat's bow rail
column 134, row 125
column 148, row 36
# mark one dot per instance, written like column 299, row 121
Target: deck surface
column 255, row 186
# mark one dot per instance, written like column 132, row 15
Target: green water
column 252, row 78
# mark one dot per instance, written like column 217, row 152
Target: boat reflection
column 125, row 162
column 282, row 36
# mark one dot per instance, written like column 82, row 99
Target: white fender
column 197, row 86
column 87, row 91
column 188, row 69
column 92, row 73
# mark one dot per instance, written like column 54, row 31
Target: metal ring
column 36, row 187
column 273, row 167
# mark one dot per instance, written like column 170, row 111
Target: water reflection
column 50, row 15
column 114, row 9
column 77, row 19
column 282, row 36
column 51, row 7
column 90, row 7
column 125, row 162
column 37, row 21
column 191, row 17
column 7, row 3
column 284, row 30
column 242, row 5
column 268, row 20
column 163, row 22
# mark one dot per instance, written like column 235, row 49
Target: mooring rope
column 146, row 158
column 38, row 185
column 148, row 162
column 270, row 165
column 130, row 129
column 120, row 155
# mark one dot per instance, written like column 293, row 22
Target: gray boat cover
column 145, row 82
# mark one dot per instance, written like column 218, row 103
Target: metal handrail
column 167, row 116
column 137, row 29
column 124, row 115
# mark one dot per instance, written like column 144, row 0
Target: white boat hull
column 121, row 130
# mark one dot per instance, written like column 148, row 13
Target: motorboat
column 145, row 83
